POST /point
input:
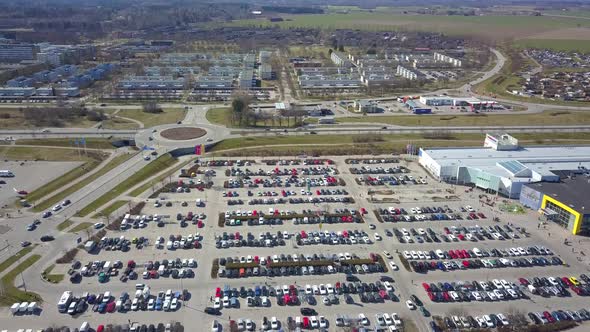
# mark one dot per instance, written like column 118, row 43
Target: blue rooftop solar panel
column 513, row 166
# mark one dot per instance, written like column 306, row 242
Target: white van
column 170, row 245
column 199, row 202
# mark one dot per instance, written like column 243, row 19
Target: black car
column 212, row 311
column 47, row 238
column 308, row 312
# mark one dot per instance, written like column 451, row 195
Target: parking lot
column 410, row 250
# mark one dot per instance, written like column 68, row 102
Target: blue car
column 102, row 308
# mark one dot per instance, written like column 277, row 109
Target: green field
column 119, row 123
column 65, row 180
column 481, row 119
column 489, row 27
column 555, row 44
column 91, row 143
column 110, row 209
column 13, row 118
column 158, row 165
column 170, row 115
column 10, row 293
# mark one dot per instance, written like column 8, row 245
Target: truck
column 64, row 302
column 32, row 308
column 89, row 246
column 6, row 174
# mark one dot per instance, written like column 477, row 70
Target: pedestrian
column 549, row 234
column 572, row 249
column 210, row 298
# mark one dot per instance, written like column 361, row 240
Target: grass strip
column 139, row 190
column 163, row 162
column 91, row 143
column 553, row 118
column 80, row 227
column 110, row 209
column 11, row 294
column 81, row 184
column 60, row 182
column 23, row 252
column 52, row 278
column 64, row 225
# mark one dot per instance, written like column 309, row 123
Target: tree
column 152, row 107
column 240, row 106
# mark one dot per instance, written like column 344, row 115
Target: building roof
column 543, row 160
column 572, row 191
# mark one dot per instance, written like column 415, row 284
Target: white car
column 323, row 322
column 387, row 254
column 308, row 290
column 387, row 319
column 56, row 208
column 217, row 303
column 249, row 325
column 377, row 237
column 410, row 305
column 274, row 323
column 363, row 320
column 396, row 320
column 330, row 288
column 98, row 225
column 503, row 319
column 225, row 302
column 314, row 322
column 393, row 266
column 380, row 320
column 323, row 290
column 388, row 286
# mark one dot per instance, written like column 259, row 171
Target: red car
column 111, row 307
column 431, row 296
column 131, row 264
column 200, row 224
column 481, row 215
column 217, row 292
column 548, row 316
column 305, row 322
column 461, row 237
column 363, row 211
column 100, row 328
column 523, row 281
column 567, row 281
column 466, row 264
column 426, row 287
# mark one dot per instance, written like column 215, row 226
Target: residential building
column 17, row 52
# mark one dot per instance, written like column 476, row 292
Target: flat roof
column 540, row 159
column 570, row 191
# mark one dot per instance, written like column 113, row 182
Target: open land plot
column 13, row 118
column 371, row 144
column 406, row 283
column 223, row 116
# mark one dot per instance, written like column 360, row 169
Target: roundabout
column 183, row 133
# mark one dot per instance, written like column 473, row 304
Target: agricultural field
column 494, row 28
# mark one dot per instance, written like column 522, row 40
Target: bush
column 68, row 257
